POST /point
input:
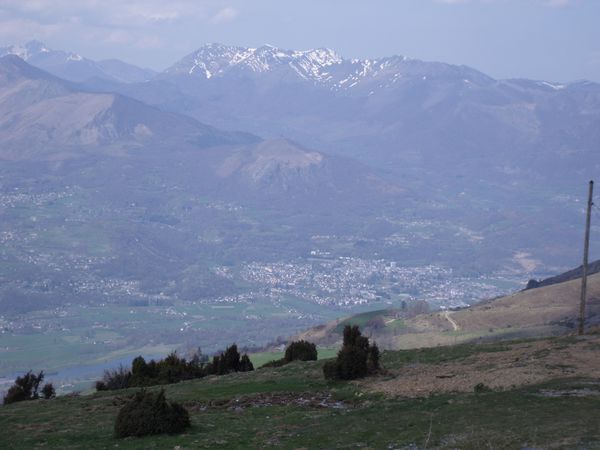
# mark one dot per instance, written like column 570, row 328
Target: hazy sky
column 556, row 40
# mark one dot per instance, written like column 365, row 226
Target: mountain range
column 45, row 118
column 392, row 112
column 74, row 67
column 468, row 144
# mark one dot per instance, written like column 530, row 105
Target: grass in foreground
column 267, row 408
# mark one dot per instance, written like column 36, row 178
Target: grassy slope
column 509, row 419
column 545, row 311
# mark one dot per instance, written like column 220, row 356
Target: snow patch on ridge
column 321, row 66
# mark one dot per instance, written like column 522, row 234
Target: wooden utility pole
column 586, row 249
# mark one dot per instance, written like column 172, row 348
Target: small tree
column 139, row 367
column 356, row 358
column 351, row 334
column 301, row 351
column 114, row 379
column 25, row 388
column 245, row 364
column 48, row 391
column 352, row 362
column 216, row 368
column 231, row 359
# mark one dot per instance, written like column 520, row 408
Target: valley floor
column 544, row 394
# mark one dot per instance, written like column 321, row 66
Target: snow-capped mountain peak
column 322, row 66
column 34, row 50
column 25, row 51
column 213, row 60
column 216, row 59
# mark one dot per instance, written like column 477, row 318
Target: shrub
column 351, row 334
column 245, row 364
column 24, row 388
column 115, row 379
column 229, row 362
column 172, row 369
column 149, row 413
column 139, row 367
column 231, row 359
column 352, row 362
column 356, row 358
column 48, row 391
column 301, row 351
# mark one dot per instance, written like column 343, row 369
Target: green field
column 264, row 409
column 88, row 336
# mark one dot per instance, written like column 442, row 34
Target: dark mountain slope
column 43, row 117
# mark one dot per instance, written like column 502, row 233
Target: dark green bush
column 353, row 337
column 139, row 367
column 115, row 379
column 149, row 413
column 301, row 351
column 356, row 358
column 170, row 370
column 173, row 369
column 352, row 362
column 229, row 361
column 48, row 391
column 24, row 388
column 245, row 364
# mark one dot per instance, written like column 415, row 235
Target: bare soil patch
column 520, row 365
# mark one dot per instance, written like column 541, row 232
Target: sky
column 555, row 40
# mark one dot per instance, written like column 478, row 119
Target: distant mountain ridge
column 74, row 67
column 392, row 112
column 323, row 66
column 45, row 118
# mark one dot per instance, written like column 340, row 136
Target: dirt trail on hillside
column 519, row 365
column 451, row 320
